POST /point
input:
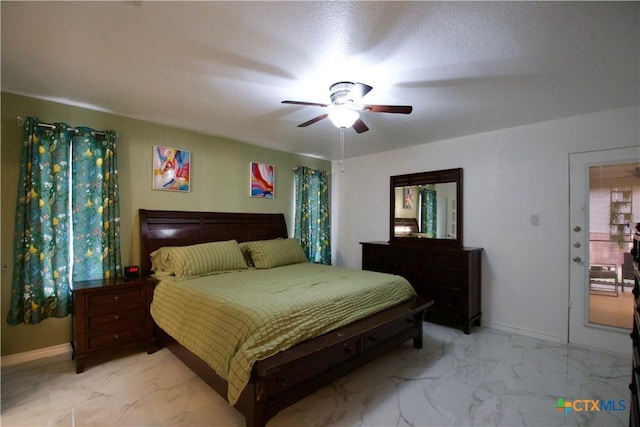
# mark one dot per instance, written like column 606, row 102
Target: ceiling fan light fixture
column 343, row 117
column 345, row 108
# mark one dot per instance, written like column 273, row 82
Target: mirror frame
column 422, row 178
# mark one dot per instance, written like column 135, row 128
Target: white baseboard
column 543, row 336
column 28, row 356
column 523, row 331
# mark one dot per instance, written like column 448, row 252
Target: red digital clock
column 131, row 271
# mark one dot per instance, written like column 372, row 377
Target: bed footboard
column 290, row 375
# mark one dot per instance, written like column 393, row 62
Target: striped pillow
column 187, row 262
column 244, row 247
column 274, row 253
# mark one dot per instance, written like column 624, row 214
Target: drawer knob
column 280, row 382
column 116, row 317
column 116, row 298
column 116, row 336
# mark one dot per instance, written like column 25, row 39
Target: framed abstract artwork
column 262, row 180
column 171, row 169
column 408, row 198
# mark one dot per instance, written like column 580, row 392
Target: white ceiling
column 223, row 68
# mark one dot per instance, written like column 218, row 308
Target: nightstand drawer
column 116, row 320
column 115, row 338
column 115, row 299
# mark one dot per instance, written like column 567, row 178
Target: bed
column 287, row 376
column 405, row 226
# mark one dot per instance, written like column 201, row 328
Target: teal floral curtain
column 46, row 256
column 312, row 217
column 95, row 205
column 429, row 211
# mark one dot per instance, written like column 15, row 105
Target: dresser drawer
column 444, row 300
column 443, row 260
column 409, row 264
column 115, row 300
column 377, row 258
column 116, row 320
column 450, row 278
column 114, row 338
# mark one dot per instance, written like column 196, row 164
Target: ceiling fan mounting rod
column 340, row 93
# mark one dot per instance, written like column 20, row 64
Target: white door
column 583, row 330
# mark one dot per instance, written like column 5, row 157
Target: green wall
column 219, row 182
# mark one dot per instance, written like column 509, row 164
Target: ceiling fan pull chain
column 342, row 149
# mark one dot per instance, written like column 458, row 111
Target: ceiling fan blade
column 359, row 90
column 359, row 126
column 312, row 104
column 312, row 121
column 400, row 109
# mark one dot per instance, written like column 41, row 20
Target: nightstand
column 110, row 314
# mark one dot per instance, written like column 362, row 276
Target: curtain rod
column 295, row 168
column 46, row 125
column 94, row 132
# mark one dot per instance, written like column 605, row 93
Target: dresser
column 110, row 314
column 449, row 276
column 634, row 410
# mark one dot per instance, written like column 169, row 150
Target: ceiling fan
column 345, row 107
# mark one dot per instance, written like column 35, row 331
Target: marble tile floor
column 488, row 378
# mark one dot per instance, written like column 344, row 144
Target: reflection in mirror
column 426, row 208
column 426, row 211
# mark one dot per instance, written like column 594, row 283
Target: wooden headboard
column 181, row 228
column 411, row 224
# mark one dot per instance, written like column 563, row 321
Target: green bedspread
column 231, row 320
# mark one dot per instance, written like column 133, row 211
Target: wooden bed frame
column 282, row 379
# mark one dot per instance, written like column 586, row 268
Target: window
column 312, row 214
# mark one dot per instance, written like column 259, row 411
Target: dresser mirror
column 426, row 208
